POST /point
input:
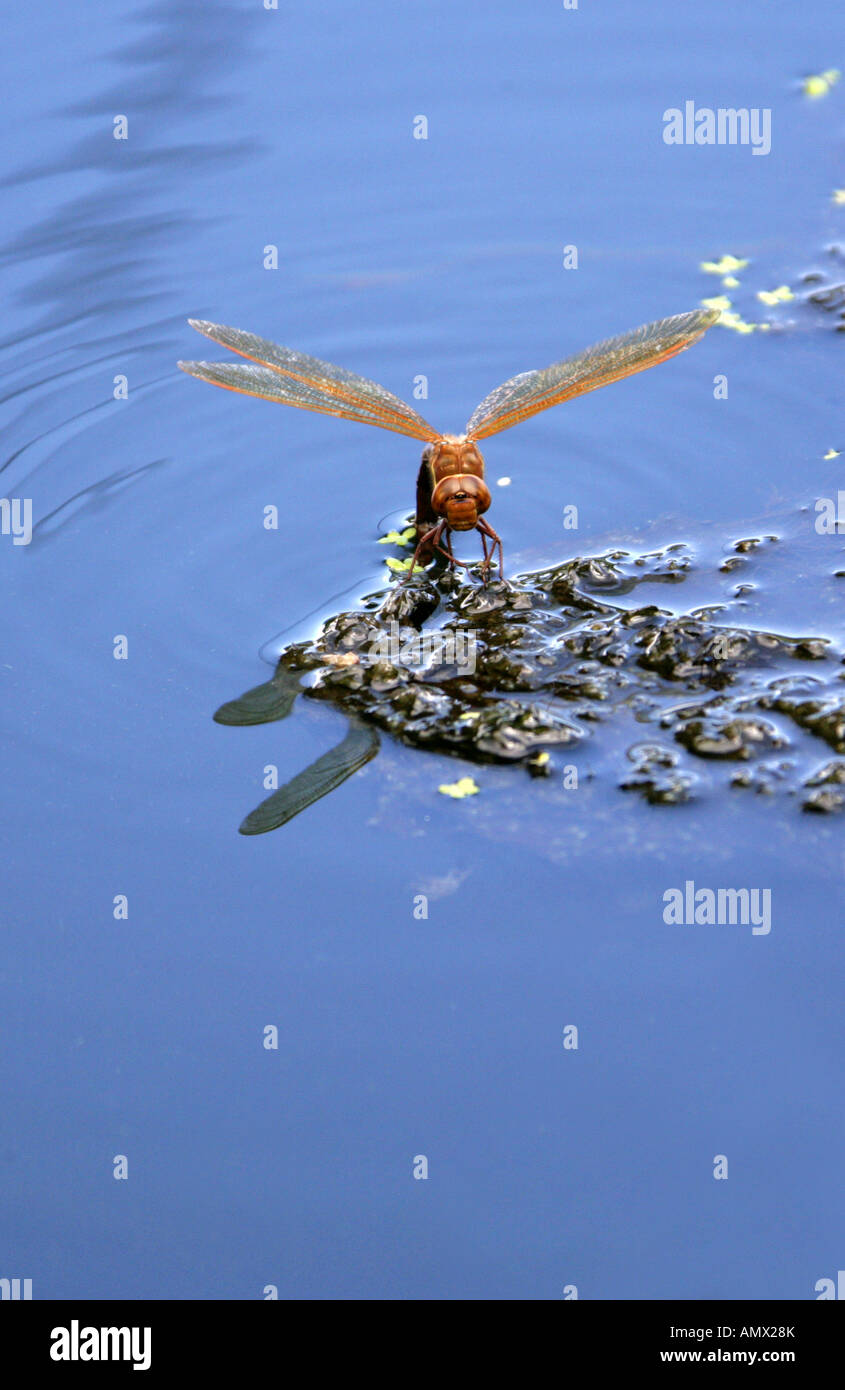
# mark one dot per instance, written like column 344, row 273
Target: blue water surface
column 399, row 1036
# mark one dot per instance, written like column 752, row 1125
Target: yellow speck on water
column 397, row 537
column 725, row 266
column 728, row 317
column 730, row 282
column 779, row 296
column 820, row 83
column 719, row 301
column 839, row 196
column 464, row 787
column 739, row 325
column 833, row 453
column 402, row 566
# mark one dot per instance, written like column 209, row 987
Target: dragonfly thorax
column 452, row 456
column 459, row 492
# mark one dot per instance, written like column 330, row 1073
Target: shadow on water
column 275, row 700
column 657, row 655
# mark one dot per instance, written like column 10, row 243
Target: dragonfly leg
column 443, row 532
column 432, row 538
column 447, row 551
column 485, row 563
column 486, row 530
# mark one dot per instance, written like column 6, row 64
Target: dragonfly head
column 461, row 499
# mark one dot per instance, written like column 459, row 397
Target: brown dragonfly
column 451, row 492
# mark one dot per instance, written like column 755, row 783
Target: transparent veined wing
column 531, row 392
column 272, row 386
column 294, row 378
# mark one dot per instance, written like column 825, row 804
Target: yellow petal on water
column 730, row 282
column 464, row 787
column 738, row 324
column 833, row 454
column 820, row 83
column 719, row 301
column 839, row 196
column 779, row 296
column 402, row 566
column 396, row 537
column 724, row 266
column 729, row 318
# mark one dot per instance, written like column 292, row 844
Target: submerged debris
column 566, row 659
column 828, row 789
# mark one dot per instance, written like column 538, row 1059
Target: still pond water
column 402, row 1035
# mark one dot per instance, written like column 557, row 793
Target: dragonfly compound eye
column 461, row 500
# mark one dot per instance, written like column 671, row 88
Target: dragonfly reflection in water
column 451, row 492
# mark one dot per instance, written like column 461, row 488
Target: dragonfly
column 452, row 494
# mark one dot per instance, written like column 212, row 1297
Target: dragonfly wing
column 272, row 386
column 346, row 388
column 531, row 392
